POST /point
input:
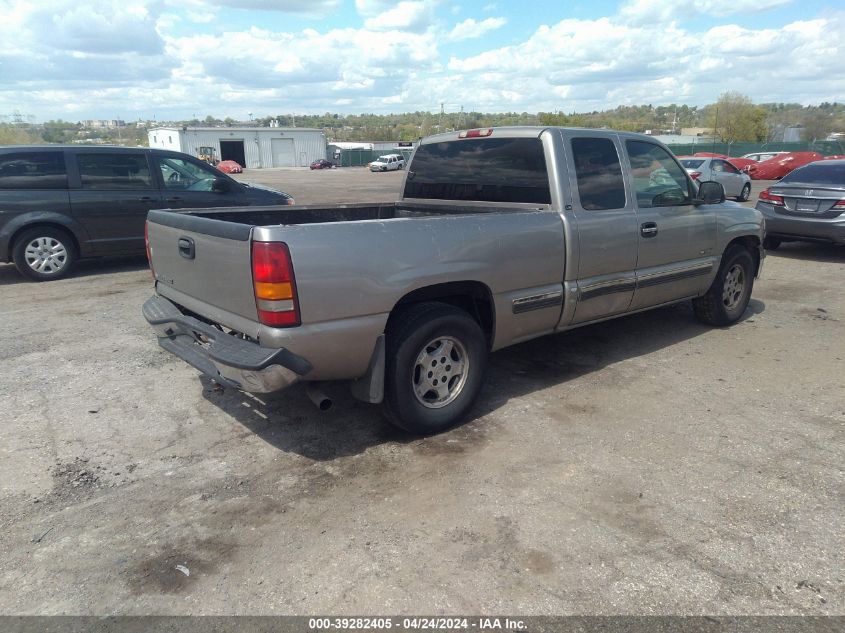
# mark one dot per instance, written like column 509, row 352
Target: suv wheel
column 43, row 254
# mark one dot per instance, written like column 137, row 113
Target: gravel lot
column 645, row 465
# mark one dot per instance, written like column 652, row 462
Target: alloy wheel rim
column 440, row 371
column 734, row 287
column 46, row 255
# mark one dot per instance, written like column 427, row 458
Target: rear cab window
column 480, row 169
column 33, row 170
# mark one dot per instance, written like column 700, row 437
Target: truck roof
column 524, row 131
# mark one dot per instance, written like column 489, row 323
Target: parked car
column 807, row 204
column 388, row 162
column 779, row 166
column 502, row 235
column 741, row 163
column 759, row 157
column 229, row 167
column 321, row 163
column 62, row 203
column 736, row 182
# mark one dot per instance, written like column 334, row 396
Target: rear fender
column 42, row 218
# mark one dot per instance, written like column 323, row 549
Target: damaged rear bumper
column 230, row 360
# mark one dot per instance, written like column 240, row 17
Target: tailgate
column 205, row 265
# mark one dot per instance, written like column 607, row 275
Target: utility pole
column 715, row 128
column 440, row 120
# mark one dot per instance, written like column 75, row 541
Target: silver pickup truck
column 501, row 235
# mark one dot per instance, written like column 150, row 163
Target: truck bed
column 321, row 214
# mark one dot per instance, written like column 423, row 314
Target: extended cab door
column 111, row 192
column 606, row 225
column 676, row 238
column 190, row 184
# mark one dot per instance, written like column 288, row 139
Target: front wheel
column 436, row 357
column 745, row 194
column 44, row 253
column 726, row 300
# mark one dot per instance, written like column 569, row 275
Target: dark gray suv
column 62, row 203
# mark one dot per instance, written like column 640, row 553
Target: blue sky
column 131, row 59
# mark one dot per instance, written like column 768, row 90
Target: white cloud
column 664, row 11
column 408, row 15
column 145, row 57
column 469, row 28
column 301, row 7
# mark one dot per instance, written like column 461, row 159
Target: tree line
column 733, row 118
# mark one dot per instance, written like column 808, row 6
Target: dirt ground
column 647, row 465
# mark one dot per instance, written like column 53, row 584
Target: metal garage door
column 283, row 152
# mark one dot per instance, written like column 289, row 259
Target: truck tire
column 44, row 253
column 436, row 357
column 728, row 296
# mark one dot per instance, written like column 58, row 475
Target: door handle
column 648, row 229
column 187, row 248
column 174, row 199
column 145, row 198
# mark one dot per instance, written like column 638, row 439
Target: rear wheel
column 726, row 300
column 745, row 194
column 436, row 356
column 44, row 253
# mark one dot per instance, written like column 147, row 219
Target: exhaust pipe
column 316, row 395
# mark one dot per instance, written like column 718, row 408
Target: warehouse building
column 251, row 147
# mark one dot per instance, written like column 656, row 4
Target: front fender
column 33, row 218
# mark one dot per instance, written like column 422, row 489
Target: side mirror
column 710, row 192
column 221, row 185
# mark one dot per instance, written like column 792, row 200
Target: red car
column 321, row 163
column 229, row 167
column 777, row 167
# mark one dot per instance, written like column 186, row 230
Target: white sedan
column 736, row 182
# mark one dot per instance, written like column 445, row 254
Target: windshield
column 832, row 174
column 692, row 164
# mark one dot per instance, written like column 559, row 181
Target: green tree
column 17, row 135
column 735, row 118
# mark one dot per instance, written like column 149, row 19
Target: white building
column 251, row 147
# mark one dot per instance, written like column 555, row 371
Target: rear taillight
column 147, row 245
column 695, row 175
column 771, row 198
column 839, row 206
column 274, row 283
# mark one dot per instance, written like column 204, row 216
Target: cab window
column 657, row 178
column 599, row 174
